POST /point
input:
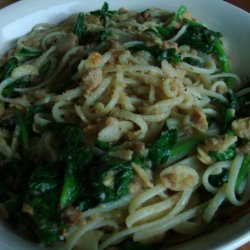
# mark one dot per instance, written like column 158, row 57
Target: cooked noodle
column 126, row 124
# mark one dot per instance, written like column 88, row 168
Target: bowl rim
column 26, row 7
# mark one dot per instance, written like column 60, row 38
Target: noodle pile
column 168, row 111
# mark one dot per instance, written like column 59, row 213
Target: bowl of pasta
column 124, row 125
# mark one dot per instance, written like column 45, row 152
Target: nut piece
column 203, row 156
column 219, row 144
column 198, row 119
column 94, row 60
column 241, row 128
column 179, row 177
column 114, row 130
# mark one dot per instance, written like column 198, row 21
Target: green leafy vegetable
column 244, row 169
column 24, row 130
column 103, row 145
column 153, row 33
column 223, row 57
column 25, row 54
column 192, row 61
column 48, row 226
column 236, row 102
column 235, row 108
column 226, row 155
column 77, row 158
column 159, row 54
column 31, row 112
column 44, row 179
column 9, row 90
column 160, row 151
column 199, row 37
column 104, row 13
column 219, row 179
column 228, row 117
column 185, row 147
column 7, row 69
column 103, row 35
column 167, row 31
column 112, row 180
column 80, row 28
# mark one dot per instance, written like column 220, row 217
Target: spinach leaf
column 7, row 69
column 244, row 169
column 219, row 179
column 185, row 147
column 80, row 28
column 32, row 111
column 103, row 145
column 25, row 54
column 235, row 108
column 170, row 55
column 160, row 151
column 168, row 31
column 24, row 130
column 71, row 134
column 192, row 61
column 9, row 90
column 48, row 225
column 199, row 37
column 223, row 57
column 159, row 54
column 152, row 33
column 226, row 155
column 227, row 118
column 103, row 35
column 104, row 13
column 77, row 158
column 237, row 103
column 111, row 180
column 44, row 179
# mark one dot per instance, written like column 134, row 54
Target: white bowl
column 234, row 23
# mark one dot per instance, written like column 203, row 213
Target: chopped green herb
column 199, row 37
column 80, row 28
column 104, row 13
column 7, row 69
column 167, row 31
column 159, row 54
column 219, row 179
column 244, row 170
column 24, row 130
column 160, row 151
column 185, row 147
column 112, row 180
column 193, row 61
column 226, row 155
column 25, row 54
column 9, row 90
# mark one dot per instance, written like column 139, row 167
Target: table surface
column 244, row 4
